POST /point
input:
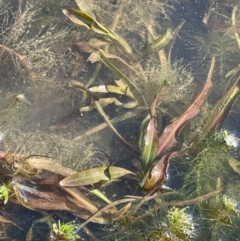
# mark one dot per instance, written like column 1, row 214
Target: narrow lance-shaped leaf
column 99, row 28
column 80, row 199
column 233, row 71
column 98, row 105
column 84, row 6
column 157, row 44
column 122, row 88
column 119, row 61
column 222, row 108
column 105, row 117
column 114, row 68
column 78, row 17
column 94, row 176
column 48, row 165
column 157, row 174
column 108, row 89
column 150, row 139
column 32, row 201
column 35, row 192
column 85, row 19
column 171, row 132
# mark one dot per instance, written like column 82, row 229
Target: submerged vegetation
column 106, row 133
column 64, row 232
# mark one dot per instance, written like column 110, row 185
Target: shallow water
column 40, row 115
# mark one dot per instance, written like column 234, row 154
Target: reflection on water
column 78, row 86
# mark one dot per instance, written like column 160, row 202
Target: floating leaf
column 94, row 176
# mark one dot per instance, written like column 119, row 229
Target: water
column 44, row 75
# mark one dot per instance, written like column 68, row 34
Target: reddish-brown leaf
column 171, row 132
column 157, row 174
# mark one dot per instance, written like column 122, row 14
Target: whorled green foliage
column 219, row 218
column 176, row 226
column 206, row 172
column 172, row 225
column 180, row 225
column 4, row 193
column 208, row 166
column 64, row 232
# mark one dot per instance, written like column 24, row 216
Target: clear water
column 40, row 117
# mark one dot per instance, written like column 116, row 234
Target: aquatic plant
column 64, row 232
column 4, row 193
column 26, row 56
column 55, row 158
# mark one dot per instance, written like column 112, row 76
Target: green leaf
column 149, row 142
column 94, row 176
column 85, row 19
column 157, row 44
column 221, row 109
column 99, row 28
column 150, row 146
column 117, row 71
column 78, row 17
column 84, row 7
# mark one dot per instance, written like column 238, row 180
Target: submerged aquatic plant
column 180, row 225
column 64, row 232
column 24, row 55
column 4, row 193
column 45, row 168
